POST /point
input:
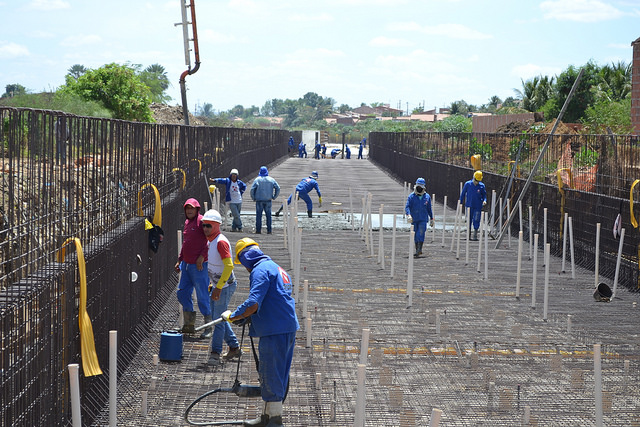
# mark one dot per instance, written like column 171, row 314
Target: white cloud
column 454, row 31
column 49, row 5
column 216, row 37
column 81, row 40
column 389, row 42
column 12, row 50
column 579, row 10
column 321, row 17
column 625, row 46
column 527, row 71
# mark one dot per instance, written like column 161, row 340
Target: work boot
column 214, row 359
column 208, row 331
column 189, row 326
column 232, row 353
column 417, row 248
column 274, row 412
column 279, row 210
column 310, row 213
column 420, row 247
column 475, row 235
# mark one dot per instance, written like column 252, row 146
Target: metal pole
column 544, row 149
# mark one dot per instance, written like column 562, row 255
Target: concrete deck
column 465, row 345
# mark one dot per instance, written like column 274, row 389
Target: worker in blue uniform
column 474, row 196
column 335, row 152
column 419, row 212
column 291, row 144
column 324, row 151
column 273, row 319
column 360, row 151
column 347, row 152
column 303, row 188
column 317, row 149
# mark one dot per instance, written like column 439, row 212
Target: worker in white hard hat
column 222, row 286
column 474, row 196
column 273, row 319
column 235, row 189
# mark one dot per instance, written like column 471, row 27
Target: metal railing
column 588, row 177
column 66, row 176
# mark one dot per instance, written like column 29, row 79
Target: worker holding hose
column 419, row 212
column 273, row 319
column 474, row 195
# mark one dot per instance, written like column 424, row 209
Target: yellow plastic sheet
column 633, row 217
column 184, row 177
column 90, row 364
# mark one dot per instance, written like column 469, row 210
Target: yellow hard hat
column 212, row 188
column 477, row 175
column 241, row 245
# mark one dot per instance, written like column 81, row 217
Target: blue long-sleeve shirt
column 419, row 207
column 227, row 182
column 306, row 185
column 475, row 195
column 264, row 188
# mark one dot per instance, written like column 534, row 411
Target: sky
column 405, row 53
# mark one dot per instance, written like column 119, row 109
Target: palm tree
column 614, row 81
column 535, row 92
column 76, row 71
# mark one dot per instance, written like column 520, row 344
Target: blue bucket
column 170, row 346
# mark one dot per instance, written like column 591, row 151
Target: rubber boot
column 189, row 322
column 420, row 247
column 279, row 210
column 417, row 246
column 261, row 421
column 274, row 412
column 475, row 235
column 310, row 213
column 208, row 331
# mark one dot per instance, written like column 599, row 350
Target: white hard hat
column 212, row 215
column 234, row 171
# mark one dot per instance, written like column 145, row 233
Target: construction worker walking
column 419, row 212
column 474, row 195
column 303, row 188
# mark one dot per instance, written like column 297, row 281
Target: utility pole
column 187, row 49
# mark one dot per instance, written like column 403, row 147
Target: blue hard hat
column 314, row 174
column 264, row 171
column 421, row 181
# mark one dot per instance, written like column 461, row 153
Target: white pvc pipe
column 493, row 209
column 410, row 269
column 444, row 219
column 74, row 386
column 308, row 330
column 573, row 263
column 284, row 223
column 361, row 401
column 530, row 231
column 509, row 225
column 455, row 226
column 305, row 296
column 352, row 220
column 564, row 240
column 527, row 416
column 547, row 250
column 433, row 229
column 468, row 236
column 544, row 240
column 371, row 223
column 113, row 378
column 435, row 417
column 156, row 360
column 459, row 230
column 520, row 213
column 361, row 223
column 597, row 268
column 615, row 277
column 501, row 213
column 143, row 405
column 437, row 323
column 381, row 243
column 569, row 323
column 535, row 270
column 298, row 259
column 486, row 248
column 393, row 246
column 364, row 346
column 482, row 220
column 519, row 269
column 597, row 377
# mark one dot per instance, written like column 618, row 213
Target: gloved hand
column 484, row 203
column 320, row 200
column 225, row 315
column 409, row 219
column 432, row 222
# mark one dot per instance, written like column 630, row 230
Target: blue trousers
column 474, row 217
column 235, row 208
column 191, row 279
column 303, row 196
column 420, row 228
column 275, row 353
column 262, row 206
column 223, row 330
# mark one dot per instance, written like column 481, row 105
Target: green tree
column 207, row 110
column 614, row 82
column 155, row 77
column 12, row 90
column 604, row 114
column 343, row 108
column 460, row 108
column 535, row 92
column 237, row 111
column 118, row 88
column 582, row 98
column 76, row 71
